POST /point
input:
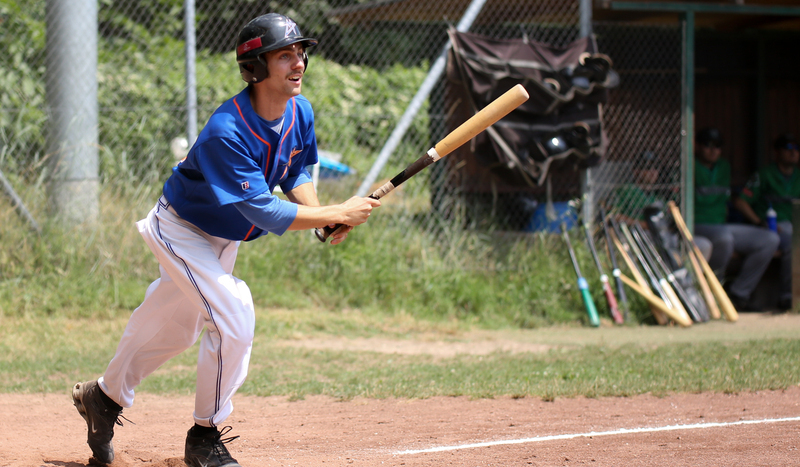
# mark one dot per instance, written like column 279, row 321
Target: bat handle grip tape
column 323, row 233
column 431, row 156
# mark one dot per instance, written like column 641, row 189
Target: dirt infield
column 707, row 429
column 45, row 430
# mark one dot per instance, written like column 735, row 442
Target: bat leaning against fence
column 658, row 284
column 622, row 303
column 681, row 258
column 722, row 297
column 661, row 311
column 583, row 286
column 627, row 257
column 689, row 303
column 611, row 300
column 669, row 295
column 708, row 295
column 486, row 117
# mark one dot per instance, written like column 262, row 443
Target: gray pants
column 705, row 246
column 785, row 234
column 756, row 244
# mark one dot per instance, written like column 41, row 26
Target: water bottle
column 772, row 219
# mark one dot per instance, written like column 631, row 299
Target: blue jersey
column 237, row 157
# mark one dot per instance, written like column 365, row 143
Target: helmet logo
column 249, row 45
column 291, row 28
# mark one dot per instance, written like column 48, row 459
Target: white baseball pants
column 196, row 290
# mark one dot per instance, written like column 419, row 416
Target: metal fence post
column 191, row 77
column 71, row 82
column 687, row 118
column 587, row 190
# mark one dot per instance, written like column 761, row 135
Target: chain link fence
column 372, row 59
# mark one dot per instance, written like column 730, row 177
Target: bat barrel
column 486, row 117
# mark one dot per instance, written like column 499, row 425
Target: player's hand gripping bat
column 486, row 117
column 611, row 300
column 583, row 286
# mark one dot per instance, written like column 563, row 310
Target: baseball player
column 217, row 197
column 712, row 179
column 776, row 185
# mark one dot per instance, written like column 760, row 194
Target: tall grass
column 387, row 266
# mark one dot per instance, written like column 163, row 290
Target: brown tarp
column 558, row 128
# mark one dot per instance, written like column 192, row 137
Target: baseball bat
column 722, row 298
column 711, row 302
column 658, row 263
column 656, row 302
column 611, row 300
column 624, row 252
column 583, row 286
column 486, row 117
column 615, row 272
column 660, row 284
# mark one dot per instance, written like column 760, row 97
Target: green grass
column 48, row 354
column 390, row 266
column 65, row 297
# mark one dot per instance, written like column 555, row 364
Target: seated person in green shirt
column 629, row 200
column 757, row 245
column 776, row 185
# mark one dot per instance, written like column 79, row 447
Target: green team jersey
column 770, row 186
column 630, row 200
column 712, row 190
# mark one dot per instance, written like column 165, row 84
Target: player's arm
column 747, row 210
column 275, row 215
column 750, row 192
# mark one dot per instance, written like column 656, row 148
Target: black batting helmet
column 709, row 137
column 262, row 34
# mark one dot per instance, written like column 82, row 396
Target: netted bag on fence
column 560, row 125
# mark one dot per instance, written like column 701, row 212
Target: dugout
column 682, row 65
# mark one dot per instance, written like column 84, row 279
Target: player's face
column 709, row 154
column 286, row 69
column 789, row 155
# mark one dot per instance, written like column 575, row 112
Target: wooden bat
column 583, row 286
column 652, row 255
column 722, row 298
column 659, row 282
column 656, row 302
column 659, row 315
column 486, row 117
column 611, row 300
column 711, row 302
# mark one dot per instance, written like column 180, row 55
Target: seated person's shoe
column 742, row 304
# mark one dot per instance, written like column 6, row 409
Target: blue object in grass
column 564, row 213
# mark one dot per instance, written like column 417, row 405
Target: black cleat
column 100, row 420
column 209, row 450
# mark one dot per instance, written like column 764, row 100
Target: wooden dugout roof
column 722, row 15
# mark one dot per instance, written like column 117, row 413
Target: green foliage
column 22, row 41
column 359, row 106
column 50, row 354
column 450, row 275
column 443, row 276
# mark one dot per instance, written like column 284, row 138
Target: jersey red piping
column 294, row 113
column 269, row 154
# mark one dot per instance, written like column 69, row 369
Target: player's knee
column 771, row 241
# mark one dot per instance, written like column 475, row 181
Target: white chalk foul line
column 622, row 431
